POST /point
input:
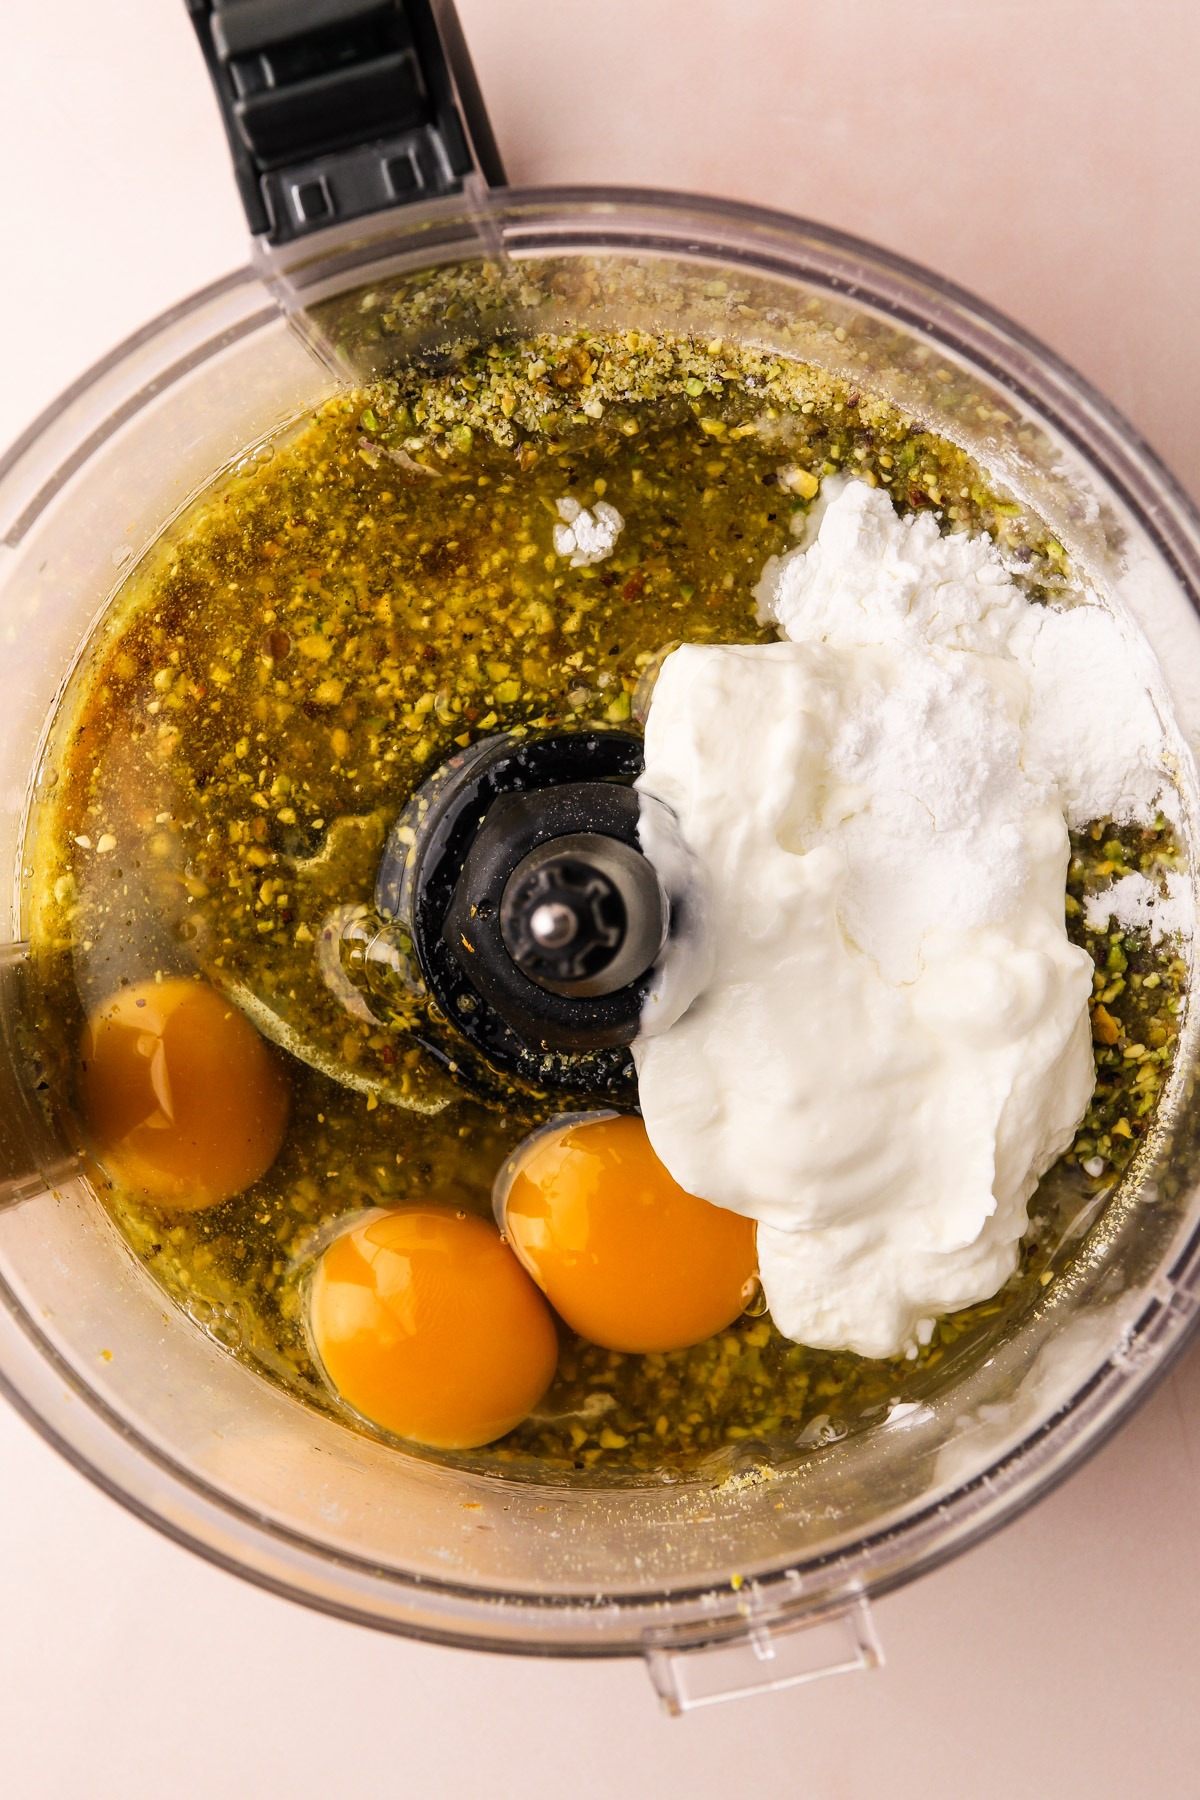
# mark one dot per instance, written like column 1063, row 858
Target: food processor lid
column 336, row 109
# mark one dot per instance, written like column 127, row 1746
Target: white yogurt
column 892, row 1044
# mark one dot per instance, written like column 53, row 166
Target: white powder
column 1096, row 727
column 892, row 1044
column 984, row 705
column 1160, row 908
column 586, row 536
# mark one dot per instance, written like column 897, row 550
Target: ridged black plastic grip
column 339, row 108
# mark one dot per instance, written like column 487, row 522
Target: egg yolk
column 182, row 1100
column 425, row 1323
column 619, row 1249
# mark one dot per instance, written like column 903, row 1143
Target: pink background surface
column 1046, row 154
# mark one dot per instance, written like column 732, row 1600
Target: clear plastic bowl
column 710, row 1582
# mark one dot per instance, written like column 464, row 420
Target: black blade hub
column 535, row 917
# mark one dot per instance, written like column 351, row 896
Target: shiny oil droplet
column 754, row 1300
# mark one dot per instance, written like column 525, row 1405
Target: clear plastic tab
column 771, row 1653
column 32, row 1158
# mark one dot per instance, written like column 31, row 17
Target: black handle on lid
column 338, row 108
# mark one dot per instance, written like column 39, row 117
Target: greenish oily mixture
column 348, row 607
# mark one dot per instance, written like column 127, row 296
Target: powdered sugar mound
column 1161, row 909
column 980, row 708
column 942, row 840
column 1093, row 731
column 863, row 575
column 587, row 536
column 1094, row 726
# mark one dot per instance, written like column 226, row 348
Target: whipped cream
column 891, row 1044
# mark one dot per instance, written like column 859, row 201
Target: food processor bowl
column 765, row 1576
